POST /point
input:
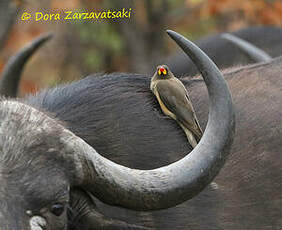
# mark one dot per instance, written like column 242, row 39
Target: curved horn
column 175, row 183
column 9, row 82
column 255, row 53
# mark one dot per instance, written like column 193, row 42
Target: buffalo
column 43, row 161
column 119, row 117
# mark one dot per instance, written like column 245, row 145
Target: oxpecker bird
column 175, row 102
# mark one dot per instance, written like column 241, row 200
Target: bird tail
column 192, row 137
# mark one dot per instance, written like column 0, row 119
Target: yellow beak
column 164, row 72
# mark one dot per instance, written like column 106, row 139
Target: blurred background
column 135, row 44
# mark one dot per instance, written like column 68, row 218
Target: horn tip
column 177, row 37
column 174, row 35
column 47, row 35
column 171, row 32
column 227, row 36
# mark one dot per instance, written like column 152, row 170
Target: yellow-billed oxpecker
column 175, row 102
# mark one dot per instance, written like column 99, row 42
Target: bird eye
column 57, row 209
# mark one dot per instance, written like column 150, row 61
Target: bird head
column 164, row 72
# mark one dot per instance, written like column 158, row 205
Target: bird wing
column 174, row 96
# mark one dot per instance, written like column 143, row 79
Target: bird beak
column 162, row 71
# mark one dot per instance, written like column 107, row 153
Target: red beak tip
column 162, row 69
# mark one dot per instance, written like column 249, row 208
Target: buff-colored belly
column 164, row 108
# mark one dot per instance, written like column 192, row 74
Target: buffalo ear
column 83, row 214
